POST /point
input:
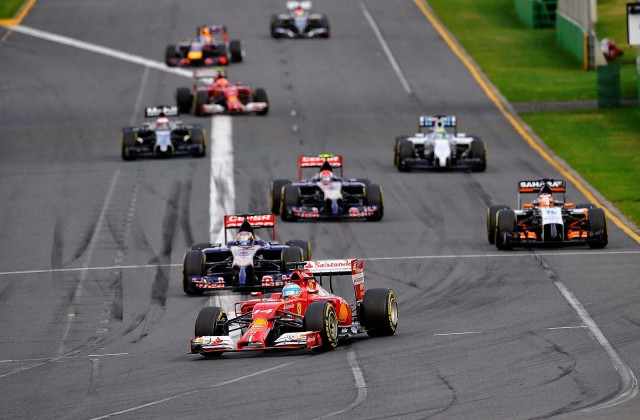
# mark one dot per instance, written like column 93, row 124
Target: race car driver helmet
column 245, row 234
column 545, row 200
column 298, row 11
column 326, row 177
column 545, row 189
column 221, row 80
column 162, row 123
column 291, row 290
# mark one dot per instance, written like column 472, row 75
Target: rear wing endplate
column 351, row 266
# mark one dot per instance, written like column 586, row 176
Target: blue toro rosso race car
column 244, row 261
column 326, row 194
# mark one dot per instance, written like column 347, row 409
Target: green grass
column 525, row 64
column 8, row 8
column 603, row 146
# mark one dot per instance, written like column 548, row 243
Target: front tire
column 211, row 321
column 492, row 214
column 379, row 312
column 321, row 317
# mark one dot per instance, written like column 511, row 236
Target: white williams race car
column 299, row 22
column 438, row 145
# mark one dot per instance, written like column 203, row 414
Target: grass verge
column 526, row 64
column 9, row 8
column 603, row 146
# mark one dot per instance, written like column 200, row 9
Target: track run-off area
column 93, row 320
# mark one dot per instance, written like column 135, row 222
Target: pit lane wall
column 574, row 25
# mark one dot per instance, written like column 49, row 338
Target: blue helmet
column 291, row 290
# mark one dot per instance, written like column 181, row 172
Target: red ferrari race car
column 213, row 93
column 303, row 316
column 210, row 47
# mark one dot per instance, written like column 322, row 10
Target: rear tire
column 478, row 151
column 193, row 265
column 274, row 25
column 235, row 51
column 375, row 198
column 169, row 54
column 506, row 225
column 305, row 247
column 198, row 139
column 184, row 100
column 324, row 23
column 379, row 312
column 321, row 317
column 276, row 194
column 405, row 151
column 289, row 199
column 260, row 95
column 598, row 236
column 202, row 98
column 291, row 255
column 211, row 321
column 492, row 213
column 128, row 141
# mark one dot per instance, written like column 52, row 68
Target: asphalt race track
column 479, row 336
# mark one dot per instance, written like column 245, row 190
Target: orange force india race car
column 546, row 220
column 304, row 315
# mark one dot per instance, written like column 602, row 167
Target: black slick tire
column 193, row 265
column 202, row 98
column 184, row 100
column 276, row 194
column 375, row 198
column 128, row 141
column 304, row 246
column 260, row 95
column 405, row 151
column 211, row 321
column 290, row 199
column 379, row 312
column 198, row 140
column 321, row 317
column 598, row 236
column 235, row 51
column 492, row 213
column 290, row 256
column 478, row 151
column 169, row 54
column 505, row 227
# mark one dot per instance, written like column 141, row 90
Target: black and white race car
column 163, row 137
column 326, row 195
column 244, row 261
column 300, row 22
column 438, row 145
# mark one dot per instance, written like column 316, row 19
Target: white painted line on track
column 192, row 392
column 386, row 49
column 71, row 314
column 398, row 258
column 138, row 103
column 568, row 328
column 42, row 359
column 98, row 49
column 107, row 355
column 360, row 383
column 503, row 255
column 457, row 333
column 629, row 382
column 222, row 196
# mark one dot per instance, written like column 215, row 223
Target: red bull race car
column 547, row 220
column 303, row 315
column 245, row 261
column 210, row 47
column 326, row 194
column 213, row 93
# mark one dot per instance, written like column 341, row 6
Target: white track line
column 42, row 359
column 629, row 382
column 195, row 391
column 71, row 314
column 138, row 103
column 360, row 383
column 98, row 49
column 222, row 187
column 386, row 49
column 567, row 328
column 399, row 258
column 504, row 255
column 457, row 333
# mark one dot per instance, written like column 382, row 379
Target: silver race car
column 164, row 137
column 438, row 145
column 300, row 22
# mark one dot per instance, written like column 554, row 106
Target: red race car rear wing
column 352, row 266
column 317, row 161
column 257, row 221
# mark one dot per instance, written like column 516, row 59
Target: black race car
column 244, row 262
column 299, row 22
column 163, row 137
column 326, row 195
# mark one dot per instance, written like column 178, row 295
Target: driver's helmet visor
column 291, row 290
column 244, row 238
